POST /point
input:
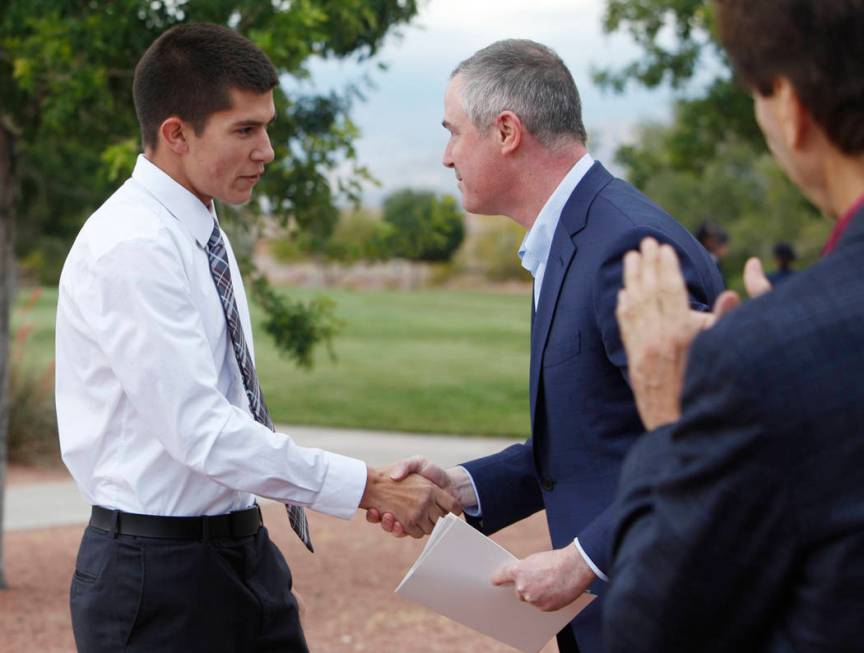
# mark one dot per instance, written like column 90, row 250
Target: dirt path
column 347, row 587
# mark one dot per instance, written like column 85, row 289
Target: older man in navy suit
column 518, row 148
column 741, row 518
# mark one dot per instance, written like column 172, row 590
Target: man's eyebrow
column 249, row 122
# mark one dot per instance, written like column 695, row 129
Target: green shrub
column 425, row 227
column 493, row 251
column 286, row 249
column 359, row 236
column 32, row 434
column 43, row 264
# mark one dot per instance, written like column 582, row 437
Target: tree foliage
column 680, row 50
column 65, row 79
column 423, row 226
column 711, row 162
column 740, row 188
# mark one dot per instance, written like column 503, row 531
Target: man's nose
column 447, row 160
column 264, row 153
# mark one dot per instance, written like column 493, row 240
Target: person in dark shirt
column 784, row 256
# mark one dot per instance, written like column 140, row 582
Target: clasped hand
column 453, row 482
column 412, row 500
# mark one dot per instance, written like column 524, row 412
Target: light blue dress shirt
column 534, row 251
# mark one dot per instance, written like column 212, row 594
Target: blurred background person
column 784, row 257
column 715, row 239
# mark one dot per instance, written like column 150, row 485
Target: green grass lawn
column 440, row 361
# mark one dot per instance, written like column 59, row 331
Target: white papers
column 453, row 577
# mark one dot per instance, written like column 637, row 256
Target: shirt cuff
column 590, row 562
column 472, row 511
column 343, row 487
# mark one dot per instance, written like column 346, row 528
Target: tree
column 711, row 162
column 740, row 188
column 678, row 40
column 424, row 227
column 68, row 131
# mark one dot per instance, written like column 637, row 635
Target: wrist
column 461, row 487
column 374, row 478
column 576, row 565
column 661, row 417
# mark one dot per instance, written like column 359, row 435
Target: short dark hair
column 189, row 72
column 784, row 252
column 530, row 80
column 818, row 45
column 709, row 232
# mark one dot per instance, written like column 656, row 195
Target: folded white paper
column 453, row 575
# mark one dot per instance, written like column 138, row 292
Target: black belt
column 235, row 524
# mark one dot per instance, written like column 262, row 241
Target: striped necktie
column 218, row 259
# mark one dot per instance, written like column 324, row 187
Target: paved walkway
column 58, row 503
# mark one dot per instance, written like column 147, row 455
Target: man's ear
column 795, row 120
column 172, row 133
column 508, row 131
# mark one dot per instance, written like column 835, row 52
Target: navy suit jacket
column 583, row 415
column 740, row 527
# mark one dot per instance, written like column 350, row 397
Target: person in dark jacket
column 740, row 516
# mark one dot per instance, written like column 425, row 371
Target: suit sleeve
column 507, row 487
column 595, row 539
column 703, row 528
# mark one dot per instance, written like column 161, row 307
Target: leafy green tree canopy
column 425, row 227
column 710, row 163
column 679, row 48
column 65, row 78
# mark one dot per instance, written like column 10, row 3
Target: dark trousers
column 147, row 594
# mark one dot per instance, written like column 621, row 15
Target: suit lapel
column 560, row 255
column 573, row 219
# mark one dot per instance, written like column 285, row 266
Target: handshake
column 410, row 496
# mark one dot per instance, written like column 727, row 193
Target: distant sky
column 402, row 137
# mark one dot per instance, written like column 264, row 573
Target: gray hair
column 528, row 79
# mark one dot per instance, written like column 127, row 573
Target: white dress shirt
column 152, row 413
column 534, row 253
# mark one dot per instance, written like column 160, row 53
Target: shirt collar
column 842, row 225
column 535, row 247
column 179, row 202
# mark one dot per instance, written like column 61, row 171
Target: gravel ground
column 347, row 586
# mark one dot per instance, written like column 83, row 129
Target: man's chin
column 475, row 208
column 236, row 198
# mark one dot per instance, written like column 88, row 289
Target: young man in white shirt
column 162, row 421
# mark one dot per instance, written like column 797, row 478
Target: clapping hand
column 657, row 326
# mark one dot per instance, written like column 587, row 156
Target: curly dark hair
column 818, row 45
